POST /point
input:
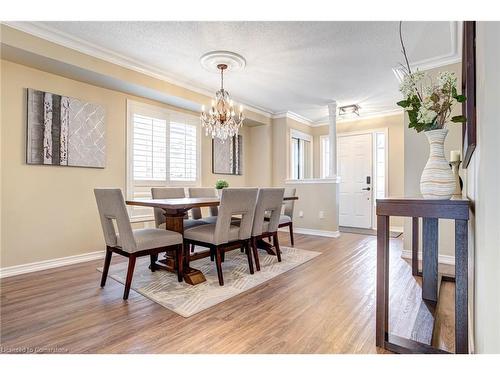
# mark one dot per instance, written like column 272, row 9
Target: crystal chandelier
column 221, row 121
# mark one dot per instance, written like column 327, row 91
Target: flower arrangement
column 428, row 103
column 221, row 184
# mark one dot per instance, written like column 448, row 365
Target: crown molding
column 454, row 56
column 69, row 41
column 293, row 116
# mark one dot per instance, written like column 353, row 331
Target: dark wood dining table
column 175, row 210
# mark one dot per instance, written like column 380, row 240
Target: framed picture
column 64, row 131
column 227, row 156
column 469, row 90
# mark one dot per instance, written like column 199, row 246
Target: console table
column 430, row 211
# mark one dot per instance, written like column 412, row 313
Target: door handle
column 367, row 188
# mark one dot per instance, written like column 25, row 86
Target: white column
column 332, row 138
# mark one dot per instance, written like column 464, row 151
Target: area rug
column 186, row 300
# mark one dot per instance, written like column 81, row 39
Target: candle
column 455, row 155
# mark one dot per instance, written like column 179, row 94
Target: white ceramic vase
column 437, row 181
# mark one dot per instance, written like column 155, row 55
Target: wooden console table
column 430, row 211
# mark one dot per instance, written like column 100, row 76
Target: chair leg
column 179, row 252
column 223, row 255
column 192, row 247
column 291, row 233
column 249, row 257
column 255, row 253
column 130, row 273
column 219, row 266
column 277, row 246
column 105, row 269
column 242, row 249
column 153, row 258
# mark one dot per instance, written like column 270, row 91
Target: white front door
column 355, row 169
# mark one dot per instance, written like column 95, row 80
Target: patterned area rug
column 186, row 300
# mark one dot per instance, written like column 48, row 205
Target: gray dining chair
column 266, row 220
column 170, row 193
column 203, row 192
column 223, row 235
column 131, row 243
column 286, row 219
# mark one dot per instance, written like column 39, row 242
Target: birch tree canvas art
column 227, row 156
column 64, row 131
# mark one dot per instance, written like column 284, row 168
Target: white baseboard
column 47, row 264
column 313, row 232
column 443, row 259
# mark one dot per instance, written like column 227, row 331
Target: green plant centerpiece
column 429, row 105
column 221, row 184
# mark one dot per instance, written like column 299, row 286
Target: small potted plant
column 429, row 105
column 219, row 185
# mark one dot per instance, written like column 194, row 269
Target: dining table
column 175, row 210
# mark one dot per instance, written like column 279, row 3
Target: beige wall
column 259, row 168
column 314, row 198
column 482, row 184
column 395, row 126
column 279, row 152
column 317, row 132
column 49, row 212
column 416, row 155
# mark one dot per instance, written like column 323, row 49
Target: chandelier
column 221, row 120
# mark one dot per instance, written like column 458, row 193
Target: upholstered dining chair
column 128, row 242
column 203, row 192
column 170, row 193
column 286, row 219
column 269, row 203
column 223, row 235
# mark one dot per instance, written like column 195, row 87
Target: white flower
column 409, row 85
column 447, row 78
column 428, row 91
column 426, row 115
column 418, row 76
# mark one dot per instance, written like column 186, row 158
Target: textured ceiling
column 291, row 66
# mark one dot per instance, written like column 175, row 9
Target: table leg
column 461, row 288
column 264, row 245
column 382, row 322
column 174, row 221
column 414, row 247
column 430, row 259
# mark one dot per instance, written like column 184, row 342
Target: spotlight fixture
column 351, row 110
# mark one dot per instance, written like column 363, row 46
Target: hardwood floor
column 324, row 306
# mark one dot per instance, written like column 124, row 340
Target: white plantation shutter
column 149, row 148
column 163, row 150
column 183, row 151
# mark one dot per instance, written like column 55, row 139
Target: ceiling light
column 221, row 120
column 351, row 110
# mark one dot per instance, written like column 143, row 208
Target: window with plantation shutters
column 163, row 150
